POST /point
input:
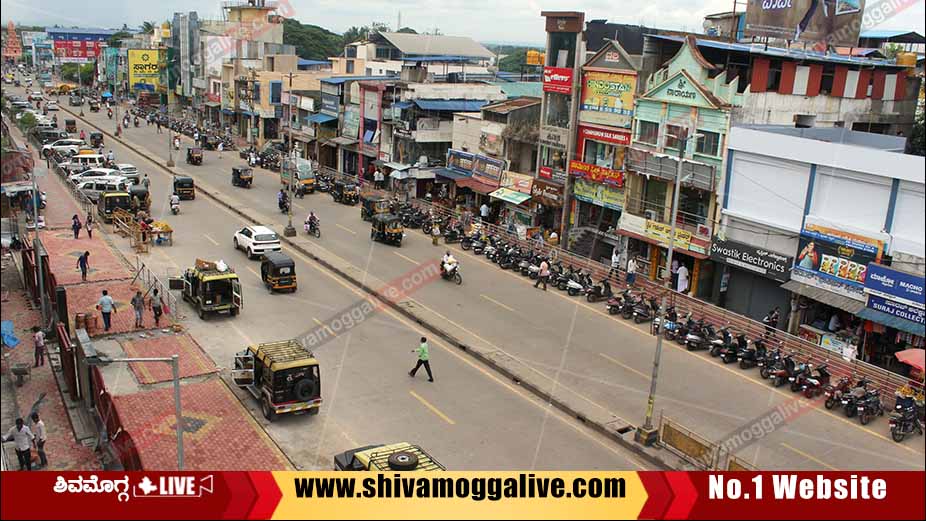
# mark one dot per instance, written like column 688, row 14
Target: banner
column 615, row 137
column 547, row 194
column 351, row 126
column 557, row 79
column 758, row 260
column 611, row 95
column 835, row 260
column 836, row 22
column 330, row 104
column 489, row 168
column 598, row 194
column 460, row 161
column 598, row 174
column 517, row 182
column 144, row 69
column 897, row 309
column 895, row 285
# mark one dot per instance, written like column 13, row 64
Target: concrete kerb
column 600, row 425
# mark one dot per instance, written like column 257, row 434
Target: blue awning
column 228, row 112
column 452, row 174
column 402, row 104
column 889, row 320
column 320, row 118
column 451, row 105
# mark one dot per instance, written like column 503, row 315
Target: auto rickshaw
column 70, row 126
column 108, row 202
column 371, row 205
column 242, row 176
column 387, row 228
column 345, row 192
column 94, row 106
column 278, row 271
column 212, row 289
column 194, row 155
column 141, row 198
column 96, row 138
column 184, row 187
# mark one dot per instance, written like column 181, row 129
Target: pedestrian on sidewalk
column 88, row 224
column 674, row 271
column 22, row 436
column 38, row 337
column 631, row 271
column 435, row 234
column 682, row 278
column 138, row 304
column 157, row 307
column 615, row 263
column 41, row 436
column 544, row 274
column 157, row 123
column 145, row 181
column 219, row 147
column 76, row 226
column 423, row 359
column 107, row 307
column 771, row 320
column 83, row 263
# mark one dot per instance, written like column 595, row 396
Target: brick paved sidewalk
column 193, row 360
column 63, row 251
column 63, row 450
column 82, row 298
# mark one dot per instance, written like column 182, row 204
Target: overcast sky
column 518, row 21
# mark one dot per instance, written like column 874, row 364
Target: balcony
column 699, row 175
column 696, row 225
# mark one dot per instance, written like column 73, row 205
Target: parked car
column 81, row 162
column 129, row 171
column 92, row 188
column 51, row 105
column 36, row 96
column 47, row 136
column 86, row 175
column 64, row 146
column 255, row 240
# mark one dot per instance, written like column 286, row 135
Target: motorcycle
column 904, row 420
column 728, row 354
column 645, row 311
column 616, row 303
column 629, row 306
column 284, row 206
column 174, row 208
column 600, row 291
column 783, row 370
column 814, row 385
column 751, row 354
column 453, row 274
column 870, row 406
column 313, row 228
column 453, row 233
column 801, row 373
column 109, row 113
column 850, row 399
column 700, row 336
column 136, row 121
column 834, row 393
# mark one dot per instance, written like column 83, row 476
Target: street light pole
column 290, row 231
column 647, row 434
column 36, row 202
column 80, row 90
column 170, row 132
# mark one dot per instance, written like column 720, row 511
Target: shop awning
column 827, row 297
column 450, row 173
column 511, row 196
column 476, row 185
column 342, row 141
column 16, row 187
column 889, row 320
column 397, row 166
column 212, row 104
column 228, row 112
column 402, row 104
column 320, row 118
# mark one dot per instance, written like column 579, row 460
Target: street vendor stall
column 161, row 233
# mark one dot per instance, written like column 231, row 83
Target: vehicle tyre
column 808, row 393
column 314, row 411
column 612, row 310
column 668, row 335
column 864, row 418
column 778, row 381
column 795, row 386
column 850, row 411
column 466, row 246
column 403, row 461
column 588, row 297
column 458, row 278
column 250, row 253
column 304, row 389
column 202, row 314
column 637, row 319
column 829, row 403
column 689, row 346
column 235, row 241
column 764, row 373
column 318, row 233
column 572, row 292
column 267, row 410
column 234, row 312
column 897, row 435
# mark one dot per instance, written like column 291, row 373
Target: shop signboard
column 897, row 309
column 330, row 104
column 545, row 172
column 597, row 174
column 489, row 168
column 517, row 182
column 890, row 284
column 835, row 260
column 607, row 98
column 632, row 224
column 554, row 137
column 351, row 121
column 557, row 79
column 547, row 194
column 833, row 343
column 598, row 194
column 613, row 136
column 661, row 232
column 459, row 160
column 757, row 260
column 144, row 69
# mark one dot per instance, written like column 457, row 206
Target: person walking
column 615, row 264
column 435, row 234
column 83, row 263
column 145, row 181
column 138, row 304
column 76, row 226
column 22, row 436
column 157, row 123
column 484, row 213
column 544, row 274
column 674, row 271
column 107, row 307
column 631, row 271
column 88, row 223
column 771, row 320
column 41, row 436
column 220, row 147
column 157, row 307
column 424, row 359
column 38, row 338
column 682, row 277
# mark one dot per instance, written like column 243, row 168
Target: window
column 603, row 154
column 557, row 110
column 351, row 51
column 709, row 143
column 774, row 76
column 350, row 67
column 826, row 81
column 647, row 131
column 383, row 53
column 562, row 51
column 276, row 88
column 673, row 132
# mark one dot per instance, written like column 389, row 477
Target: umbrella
column 912, row 357
column 107, row 94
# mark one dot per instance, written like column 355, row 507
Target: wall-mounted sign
column 597, row 174
column 608, row 97
column 554, row 137
column 835, row 260
column 459, row 160
column 681, row 88
column 557, row 79
column 616, row 137
column 895, row 285
column 517, row 182
column 897, row 309
column 488, row 167
column 351, row 126
column 598, row 194
column 330, row 104
column 758, row 260
column 545, row 172
column 547, row 194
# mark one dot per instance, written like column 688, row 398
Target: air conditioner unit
column 650, row 214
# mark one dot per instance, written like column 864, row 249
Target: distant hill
column 311, row 41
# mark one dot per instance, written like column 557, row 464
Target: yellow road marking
column 213, row 241
column 808, row 456
column 240, row 333
column 625, row 366
column 321, row 324
column 345, row 228
column 433, row 409
column 492, row 300
column 297, row 205
column 252, row 270
column 409, row 259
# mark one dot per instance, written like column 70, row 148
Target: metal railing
column 151, row 281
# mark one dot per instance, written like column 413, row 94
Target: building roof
column 838, row 135
column 431, row 45
column 306, row 63
column 519, row 89
column 507, row 106
column 337, row 80
column 79, row 30
column 893, row 35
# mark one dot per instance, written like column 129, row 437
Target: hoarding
column 607, row 97
column 835, row 260
column 895, row 285
column 144, row 69
column 758, row 260
column 557, row 79
column 597, row 174
column 835, row 22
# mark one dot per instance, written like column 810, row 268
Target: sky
column 483, row 20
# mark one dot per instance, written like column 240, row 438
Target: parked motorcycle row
column 209, row 138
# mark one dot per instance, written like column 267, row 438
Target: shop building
column 838, row 202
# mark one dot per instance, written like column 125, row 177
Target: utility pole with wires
column 290, row 231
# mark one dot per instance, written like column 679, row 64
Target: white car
column 130, row 171
column 51, row 105
column 69, row 145
column 255, row 240
column 35, row 96
column 93, row 172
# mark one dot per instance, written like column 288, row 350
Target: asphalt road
column 470, row 418
column 579, row 350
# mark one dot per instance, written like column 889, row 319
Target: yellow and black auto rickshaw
column 94, row 106
column 70, row 126
column 184, row 187
column 108, row 202
column 194, row 156
column 96, row 138
column 242, row 176
column 345, row 192
column 140, row 198
column 371, row 205
column 278, row 271
column 387, row 228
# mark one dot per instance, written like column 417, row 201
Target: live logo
column 170, row 486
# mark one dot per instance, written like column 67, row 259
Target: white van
column 81, row 162
column 92, row 188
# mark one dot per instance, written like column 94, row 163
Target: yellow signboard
column 144, row 69
column 661, row 233
column 609, row 94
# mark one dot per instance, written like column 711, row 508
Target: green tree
column 311, row 41
column 114, row 40
column 69, row 73
column 27, row 122
column 149, row 27
column 407, row 30
column 513, row 62
column 358, row 34
column 916, row 143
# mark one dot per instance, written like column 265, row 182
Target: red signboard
column 596, row 173
column 78, row 48
column 615, row 136
column 546, row 172
column 557, row 79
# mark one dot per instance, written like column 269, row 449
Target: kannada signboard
column 897, row 309
column 598, row 194
column 835, row 260
column 895, row 285
column 460, row 161
column 557, row 79
column 835, row 22
column 758, row 260
column 607, row 98
column 144, row 69
column 598, row 174
column 489, row 168
column 554, row 137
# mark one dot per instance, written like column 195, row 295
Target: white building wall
column 467, row 131
column 470, row 91
column 841, row 197
column 909, row 226
column 771, row 108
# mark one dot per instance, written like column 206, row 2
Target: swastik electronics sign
column 835, row 22
column 144, row 69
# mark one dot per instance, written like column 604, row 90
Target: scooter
column 671, row 327
column 767, row 364
column 870, row 406
column 175, row 208
column 728, row 353
column 783, row 370
column 685, row 327
column 645, row 311
column 751, row 354
column 801, row 373
column 600, row 291
column 616, row 303
column 834, row 393
column 284, row 206
column 576, row 285
column 700, row 336
column 723, row 341
column 813, row 385
column 850, row 399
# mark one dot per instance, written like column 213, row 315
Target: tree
column 113, row 40
column 69, row 73
column 916, row 143
column 407, row 30
column 892, row 50
column 311, row 41
column 149, row 27
column 513, row 62
column 358, row 34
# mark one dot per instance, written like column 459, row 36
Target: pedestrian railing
column 687, row 444
column 151, row 281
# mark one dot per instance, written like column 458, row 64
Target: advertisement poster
column 460, row 161
column 895, row 285
column 517, row 182
column 835, row 22
column 609, row 96
column 835, row 260
column 598, row 194
column 595, row 173
column 144, row 69
column 330, row 104
column 351, row 121
column 489, row 168
column 557, row 79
